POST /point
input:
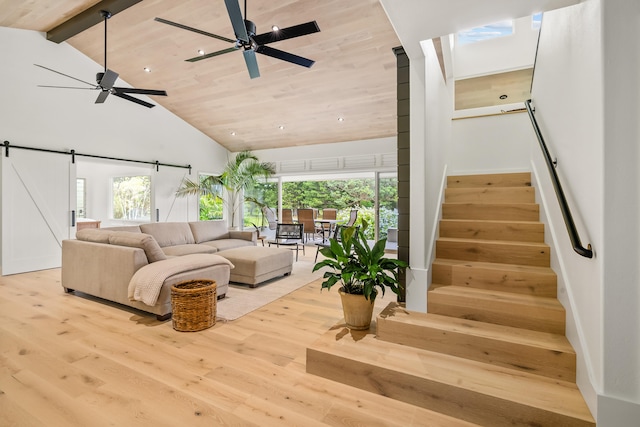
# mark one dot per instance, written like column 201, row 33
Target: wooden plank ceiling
column 354, row 76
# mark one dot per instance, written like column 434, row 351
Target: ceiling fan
column 105, row 80
column 247, row 39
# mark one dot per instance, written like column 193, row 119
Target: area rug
column 241, row 299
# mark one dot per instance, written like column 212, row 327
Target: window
column 262, row 194
column 131, row 198
column 211, row 207
column 536, row 21
column 81, row 197
column 486, row 32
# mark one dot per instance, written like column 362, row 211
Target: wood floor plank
column 238, row 373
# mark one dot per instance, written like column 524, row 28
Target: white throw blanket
column 146, row 283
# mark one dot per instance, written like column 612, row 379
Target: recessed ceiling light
column 233, row 133
column 147, row 69
column 275, row 28
column 341, row 119
column 281, row 127
column 200, row 52
column 503, row 97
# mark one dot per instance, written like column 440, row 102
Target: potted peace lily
column 360, row 270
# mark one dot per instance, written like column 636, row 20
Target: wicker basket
column 193, row 305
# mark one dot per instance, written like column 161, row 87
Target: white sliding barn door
column 167, row 206
column 38, row 197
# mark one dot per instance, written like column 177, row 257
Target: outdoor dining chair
column 287, row 216
column 306, row 218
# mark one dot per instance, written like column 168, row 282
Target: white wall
column 490, row 144
column 621, row 178
column 430, row 140
column 570, row 118
column 587, row 102
column 514, row 52
column 64, row 119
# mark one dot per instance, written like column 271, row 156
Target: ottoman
column 255, row 264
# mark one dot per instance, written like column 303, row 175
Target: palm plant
column 240, row 174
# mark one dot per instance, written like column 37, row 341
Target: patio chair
column 287, row 216
column 353, row 216
column 306, row 218
column 289, row 235
column 327, row 243
column 270, row 215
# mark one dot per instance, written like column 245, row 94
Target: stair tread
column 506, row 297
column 497, row 266
column 505, row 242
column 528, row 337
column 512, row 179
column 532, row 390
column 491, row 221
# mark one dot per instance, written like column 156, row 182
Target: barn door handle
column 73, row 218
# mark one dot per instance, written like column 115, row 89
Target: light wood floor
column 67, row 360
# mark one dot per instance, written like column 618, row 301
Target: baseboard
column 614, row 412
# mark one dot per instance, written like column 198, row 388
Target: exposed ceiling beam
column 87, row 19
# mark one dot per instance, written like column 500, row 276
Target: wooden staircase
column 491, row 350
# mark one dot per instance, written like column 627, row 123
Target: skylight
column 536, row 21
column 486, row 32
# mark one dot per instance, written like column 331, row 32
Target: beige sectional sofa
column 108, row 262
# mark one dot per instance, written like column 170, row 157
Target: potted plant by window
column 359, row 269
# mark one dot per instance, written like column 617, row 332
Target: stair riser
column 490, row 195
column 469, row 250
column 534, row 318
column 514, row 232
column 506, row 212
column 453, row 400
column 543, row 285
column 522, row 179
column 525, row 358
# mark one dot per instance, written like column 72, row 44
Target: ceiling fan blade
column 287, row 33
column 139, row 91
column 252, row 63
column 107, row 81
column 212, row 54
column 285, row 56
column 195, row 30
column 102, row 96
column 70, row 87
column 235, row 14
column 132, row 99
column 66, row 75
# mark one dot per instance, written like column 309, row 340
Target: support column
column 404, row 156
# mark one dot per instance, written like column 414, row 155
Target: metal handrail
column 564, row 206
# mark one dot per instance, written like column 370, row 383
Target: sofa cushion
column 95, row 235
column 138, row 240
column 179, row 250
column 205, row 231
column 169, row 233
column 226, row 244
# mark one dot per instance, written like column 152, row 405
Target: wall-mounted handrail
column 564, row 206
